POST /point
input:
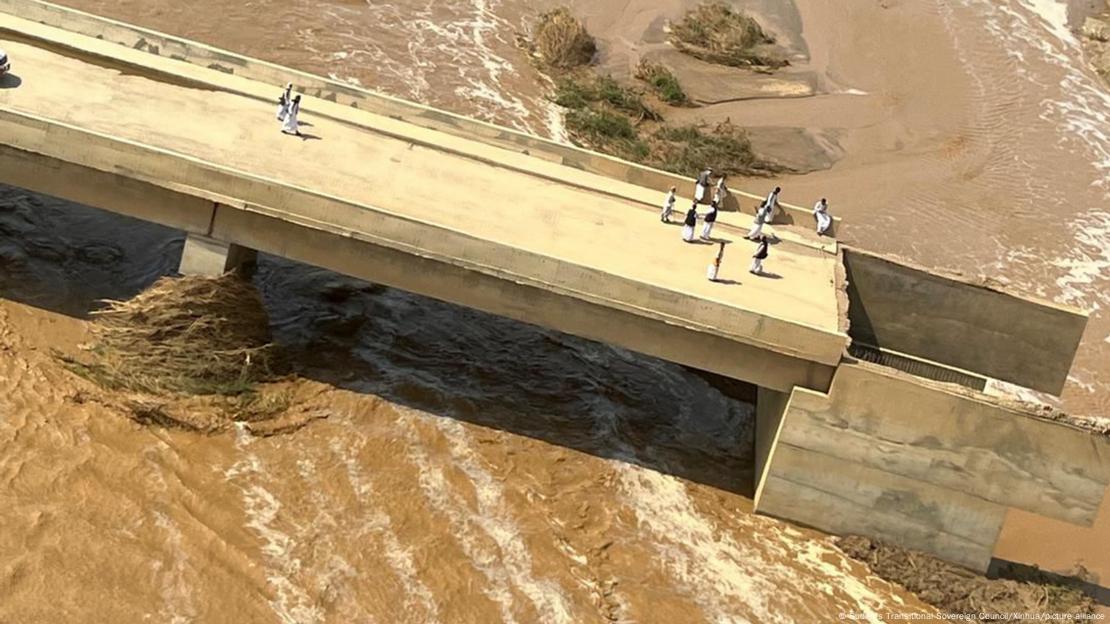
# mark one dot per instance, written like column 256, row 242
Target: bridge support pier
column 207, row 256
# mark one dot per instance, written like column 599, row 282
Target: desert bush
column 562, row 41
column 715, row 33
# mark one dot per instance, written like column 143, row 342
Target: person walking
column 689, row 223
column 821, row 213
column 284, row 101
column 771, row 203
column 710, row 219
column 291, row 126
column 761, row 253
column 721, row 191
column 715, row 266
column 668, row 206
column 757, row 224
column 701, row 186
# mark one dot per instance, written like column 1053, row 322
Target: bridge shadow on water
column 416, row 352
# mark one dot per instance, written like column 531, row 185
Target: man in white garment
column 701, row 185
column 284, row 100
column 771, row 204
column 291, row 126
column 668, row 206
column 757, row 224
column 721, row 191
column 821, row 213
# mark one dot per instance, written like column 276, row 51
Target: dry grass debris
column 560, row 40
column 713, row 32
column 954, row 589
column 189, row 335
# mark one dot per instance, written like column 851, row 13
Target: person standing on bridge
column 668, row 206
column 701, row 185
column 721, row 190
column 821, row 213
column 710, row 219
column 284, row 100
column 291, row 126
column 757, row 225
column 770, row 204
column 761, row 253
column 690, row 223
column 715, row 267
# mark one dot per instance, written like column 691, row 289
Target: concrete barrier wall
column 925, row 465
column 737, row 344
column 214, row 58
column 967, row 326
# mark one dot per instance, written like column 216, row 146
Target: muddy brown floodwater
column 473, row 469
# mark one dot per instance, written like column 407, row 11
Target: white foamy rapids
column 738, row 581
column 291, row 604
column 506, row 566
column 376, row 522
column 1035, row 34
column 457, row 47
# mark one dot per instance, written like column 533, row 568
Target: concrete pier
column 207, row 256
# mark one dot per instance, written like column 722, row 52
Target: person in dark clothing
column 761, row 253
column 710, row 219
column 689, row 224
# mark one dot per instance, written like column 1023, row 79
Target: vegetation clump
column 189, row 335
column 953, row 589
column 713, row 32
column 560, row 40
column 663, row 82
column 686, row 150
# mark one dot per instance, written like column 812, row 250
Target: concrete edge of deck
column 184, row 50
column 69, row 144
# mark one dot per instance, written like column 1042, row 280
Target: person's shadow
column 10, row 81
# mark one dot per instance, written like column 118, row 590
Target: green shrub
column 600, row 124
column 687, row 149
column 664, row 83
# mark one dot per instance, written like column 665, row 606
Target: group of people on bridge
column 764, row 214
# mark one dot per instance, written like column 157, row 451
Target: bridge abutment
column 210, row 257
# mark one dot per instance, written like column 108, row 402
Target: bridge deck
column 357, row 162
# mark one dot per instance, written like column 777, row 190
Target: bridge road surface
column 469, row 192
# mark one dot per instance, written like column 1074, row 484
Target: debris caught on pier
column 189, row 335
column 954, row 589
column 194, row 353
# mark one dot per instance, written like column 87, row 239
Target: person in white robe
column 701, row 185
column 668, row 206
column 771, row 204
column 291, row 126
column 757, row 224
column 710, row 219
column 690, row 223
column 821, row 213
column 721, row 191
column 761, row 253
column 284, row 100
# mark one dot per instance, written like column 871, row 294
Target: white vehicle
column 4, row 64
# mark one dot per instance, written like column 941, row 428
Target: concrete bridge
column 871, row 415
